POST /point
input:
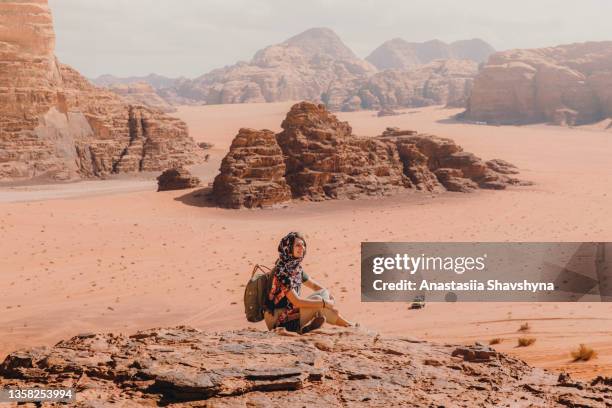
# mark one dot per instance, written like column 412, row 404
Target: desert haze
column 131, row 258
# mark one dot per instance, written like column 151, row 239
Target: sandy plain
column 115, row 255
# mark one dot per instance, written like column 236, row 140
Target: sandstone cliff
column 566, row 85
column 401, row 54
column 186, row 367
column 317, row 157
column 55, row 124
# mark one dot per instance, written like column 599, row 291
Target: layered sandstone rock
column 176, row 179
column 566, row 85
column 141, row 93
column 445, row 82
column 55, row 124
column 183, row 367
column 252, row 174
column 303, row 67
column 324, row 160
column 317, row 157
column 400, row 54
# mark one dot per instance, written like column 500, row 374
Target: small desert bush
column 524, row 327
column 496, row 340
column 526, row 341
column 583, row 353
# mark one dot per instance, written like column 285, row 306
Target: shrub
column 526, row 341
column 524, row 327
column 583, row 353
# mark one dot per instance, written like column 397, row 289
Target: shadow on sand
column 198, row 198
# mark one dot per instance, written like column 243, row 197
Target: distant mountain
column 154, row 80
column 441, row 82
column 317, row 66
column 401, row 54
column 301, row 68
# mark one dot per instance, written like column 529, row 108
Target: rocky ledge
column 185, row 367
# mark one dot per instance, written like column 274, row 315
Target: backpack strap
column 261, row 269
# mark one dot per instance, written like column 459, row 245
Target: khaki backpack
column 256, row 293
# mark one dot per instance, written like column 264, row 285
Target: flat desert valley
column 116, row 255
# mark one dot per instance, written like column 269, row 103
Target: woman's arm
column 313, row 284
column 307, row 303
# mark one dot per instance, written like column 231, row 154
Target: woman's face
column 298, row 248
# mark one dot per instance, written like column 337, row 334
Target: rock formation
column 154, row 80
column 324, row 160
column 185, row 367
column 446, row 82
column 566, row 85
column 400, row 54
column 141, row 93
column 303, row 67
column 176, row 179
column 317, row 157
column 252, row 174
column 55, row 124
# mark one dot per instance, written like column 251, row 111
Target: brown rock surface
column 252, row 174
column 324, row 160
column 176, row 179
column 565, row 85
column 186, row 367
column 316, row 157
column 55, row 124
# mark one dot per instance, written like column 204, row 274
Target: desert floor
column 117, row 256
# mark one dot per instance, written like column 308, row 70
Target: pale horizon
column 192, row 37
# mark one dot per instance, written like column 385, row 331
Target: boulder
column 176, row 179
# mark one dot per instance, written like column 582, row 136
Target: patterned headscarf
column 287, row 274
column 288, row 268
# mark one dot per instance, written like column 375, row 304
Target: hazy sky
column 191, row 37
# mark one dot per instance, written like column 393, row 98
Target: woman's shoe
column 314, row 324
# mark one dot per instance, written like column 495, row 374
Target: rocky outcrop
column 566, row 85
column 316, row 157
column 324, row 160
column 182, row 366
column 55, row 124
column 303, row 67
column 400, row 54
column 176, row 179
column 141, row 93
column 252, row 174
column 446, row 82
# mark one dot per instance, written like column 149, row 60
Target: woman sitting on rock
column 287, row 308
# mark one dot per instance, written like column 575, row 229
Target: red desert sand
column 118, row 256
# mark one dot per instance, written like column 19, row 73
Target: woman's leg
column 331, row 317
